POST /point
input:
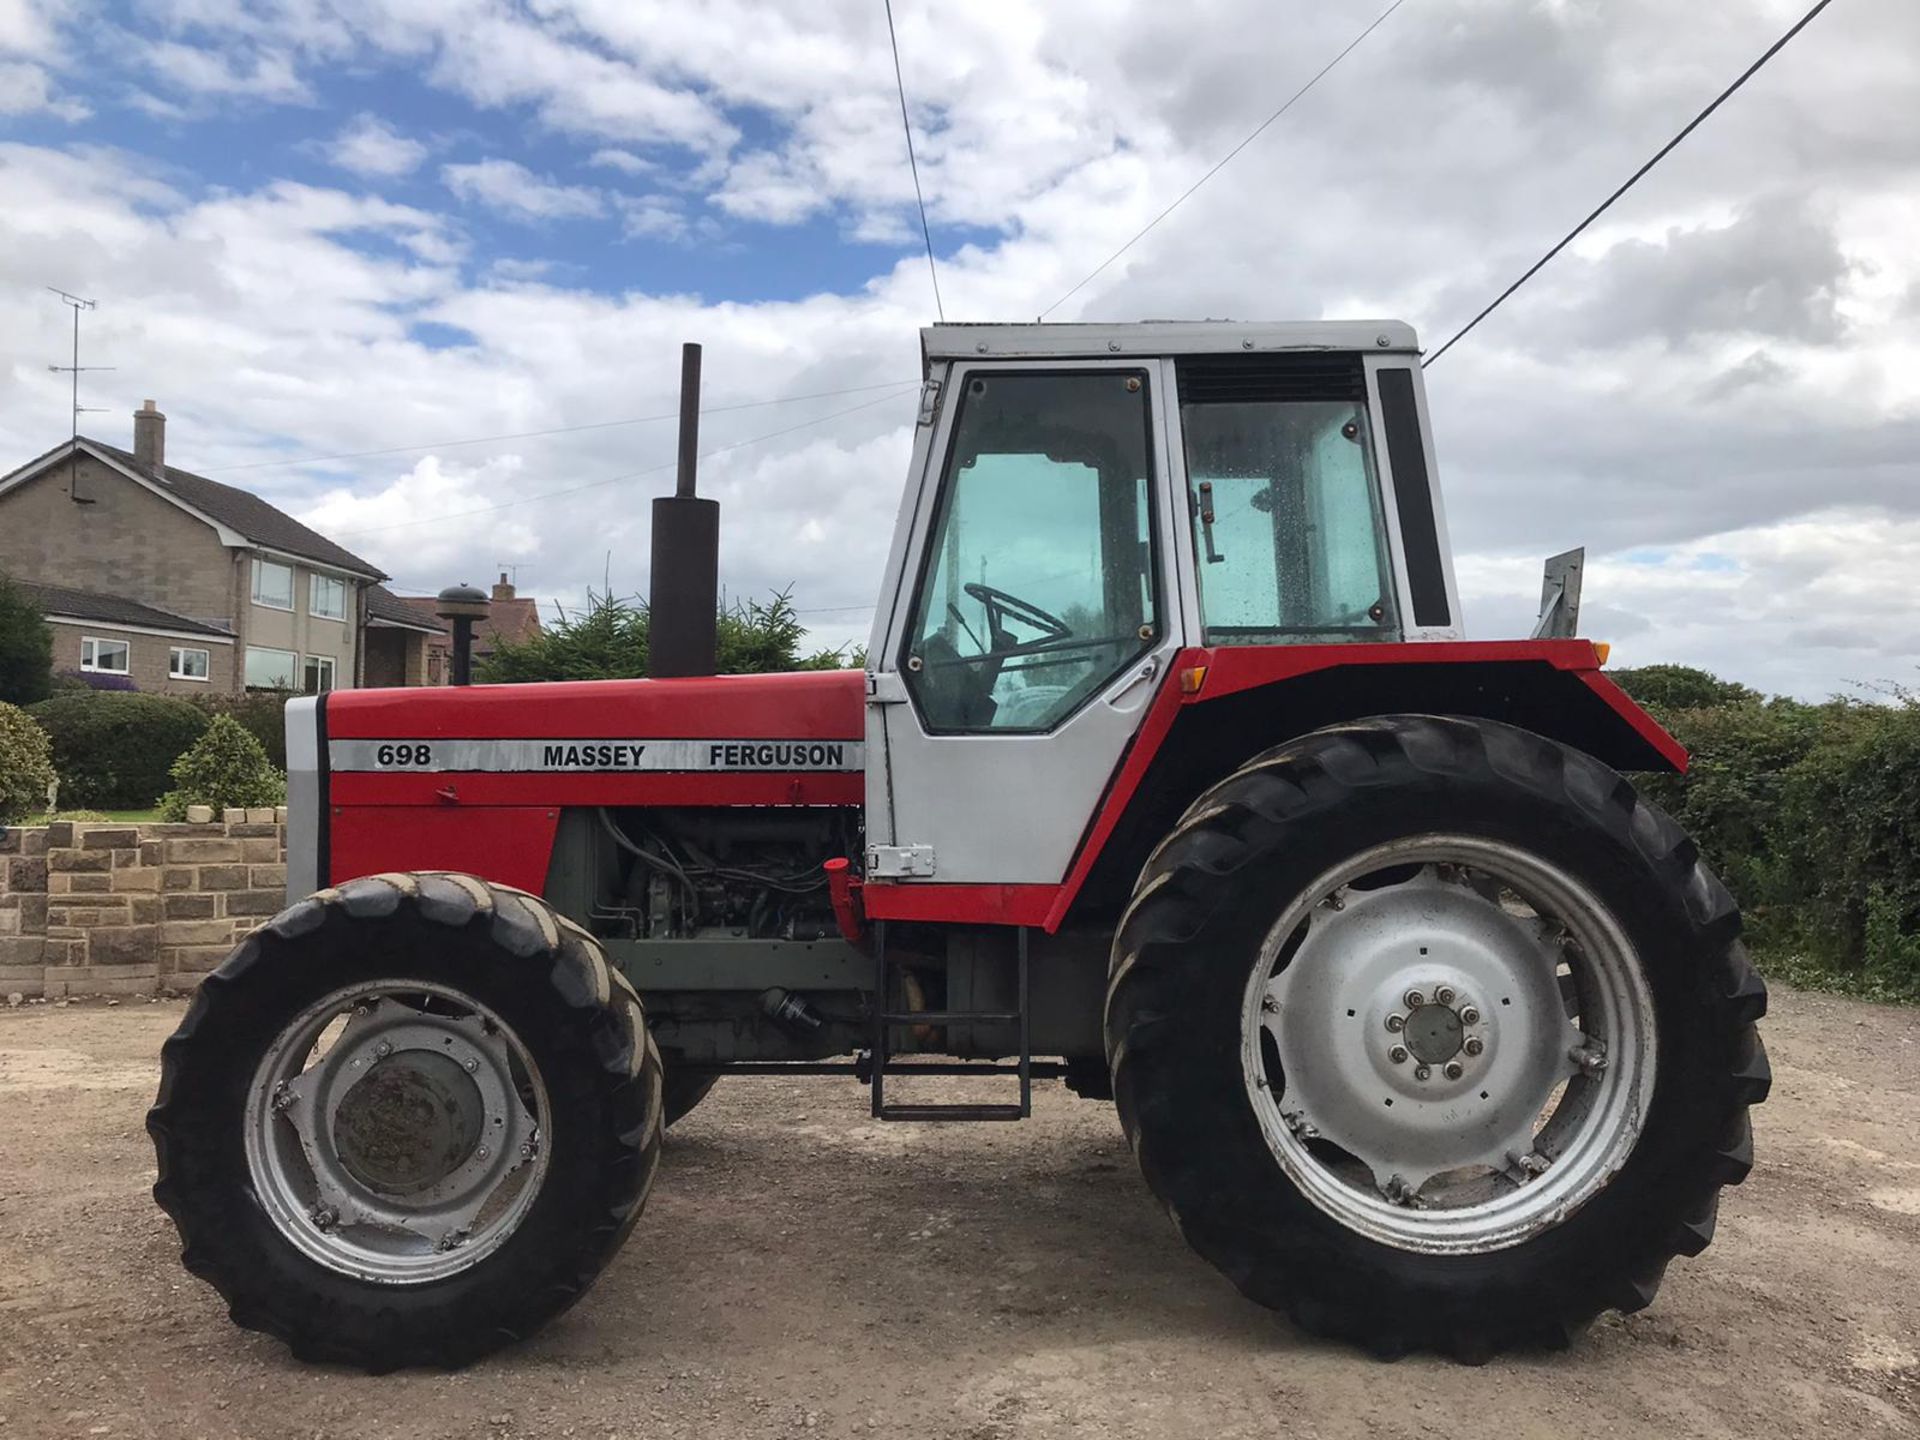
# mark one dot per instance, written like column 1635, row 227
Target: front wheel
column 1433, row 1034
column 407, row 1121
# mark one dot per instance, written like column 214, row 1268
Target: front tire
column 1336, row 1138
column 407, row 1122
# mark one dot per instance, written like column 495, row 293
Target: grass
column 1803, row 972
column 130, row 817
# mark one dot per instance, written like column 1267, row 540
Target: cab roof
column 1164, row 337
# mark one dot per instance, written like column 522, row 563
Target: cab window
column 1038, row 584
column 1288, row 527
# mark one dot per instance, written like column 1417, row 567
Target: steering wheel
column 1001, row 604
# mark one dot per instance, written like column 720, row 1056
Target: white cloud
column 513, row 190
column 624, row 161
column 26, row 89
column 216, row 74
column 369, row 146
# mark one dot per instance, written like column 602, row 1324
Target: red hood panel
column 804, row 705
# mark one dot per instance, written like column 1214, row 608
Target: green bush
column 261, row 713
column 114, row 750
column 26, row 765
column 226, row 766
column 26, row 649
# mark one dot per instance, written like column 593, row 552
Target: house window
column 319, row 674
column 187, row 664
column 271, row 669
column 327, row 598
column 272, row 585
column 104, row 657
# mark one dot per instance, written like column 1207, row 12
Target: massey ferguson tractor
column 1169, row 776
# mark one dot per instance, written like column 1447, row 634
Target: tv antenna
column 76, row 304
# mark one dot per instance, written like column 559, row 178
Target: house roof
column 243, row 511
column 237, row 513
column 386, row 608
column 58, row 600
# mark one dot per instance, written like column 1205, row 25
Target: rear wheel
column 1432, row 1034
column 407, row 1121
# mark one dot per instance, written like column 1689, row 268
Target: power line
column 558, row 430
column 912, row 163
column 1632, row 180
column 1319, row 75
column 898, row 391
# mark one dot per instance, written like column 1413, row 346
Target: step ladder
column 886, row 1021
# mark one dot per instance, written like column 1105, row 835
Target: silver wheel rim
column 395, row 1131
column 1449, row 1044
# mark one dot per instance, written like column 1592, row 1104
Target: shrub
column 114, row 751
column 261, row 713
column 26, row 649
column 608, row 641
column 26, row 765
column 226, row 766
column 1849, row 834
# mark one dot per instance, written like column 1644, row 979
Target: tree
column 608, row 641
column 26, row 648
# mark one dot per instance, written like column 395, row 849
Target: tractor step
column 885, row 1021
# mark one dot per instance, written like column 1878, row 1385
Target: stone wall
column 96, row 908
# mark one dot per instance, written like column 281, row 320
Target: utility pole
column 76, row 304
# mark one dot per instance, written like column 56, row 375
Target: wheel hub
column 405, row 1147
column 412, row 1122
column 1409, row 1014
column 1434, row 1033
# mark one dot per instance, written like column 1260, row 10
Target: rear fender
column 1254, row 698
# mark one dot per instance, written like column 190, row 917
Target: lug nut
column 472, row 1065
column 1415, row 999
column 1444, row 994
column 1469, row 1016
column 282, row 1096
column 1474, row 1046
column 1422, row 1073
column 1396, row 1023
column 1398, row 1054
column 1453, row 1070
column 383, row 1049
column 484, row 1153
column 1269, row 1004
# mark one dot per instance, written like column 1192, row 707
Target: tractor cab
column 1084, row 502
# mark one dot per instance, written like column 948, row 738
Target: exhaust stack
column 685, row 586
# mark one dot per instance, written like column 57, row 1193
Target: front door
column 1034, row 613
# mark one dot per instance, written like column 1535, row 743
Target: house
column 178, row 582
column 405, row 643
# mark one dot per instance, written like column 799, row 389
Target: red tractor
column 1169, row 766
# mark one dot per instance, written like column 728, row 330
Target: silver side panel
column 304, row 799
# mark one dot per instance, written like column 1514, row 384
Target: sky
column 319, row 228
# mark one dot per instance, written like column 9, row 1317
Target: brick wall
column 104, row 909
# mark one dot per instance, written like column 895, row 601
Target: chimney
column 504, row 589
column 150, row 438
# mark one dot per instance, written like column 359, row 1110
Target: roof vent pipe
column 684, row 602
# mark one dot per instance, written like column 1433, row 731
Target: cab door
column 1032, row 613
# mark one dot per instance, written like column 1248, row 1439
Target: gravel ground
column 801, row 1270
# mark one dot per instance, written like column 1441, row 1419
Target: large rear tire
column 408, row 1121
column 1359, row 973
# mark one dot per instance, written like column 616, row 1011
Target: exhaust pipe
column 685, row 587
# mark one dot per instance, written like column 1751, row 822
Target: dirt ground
column 801, row 1270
